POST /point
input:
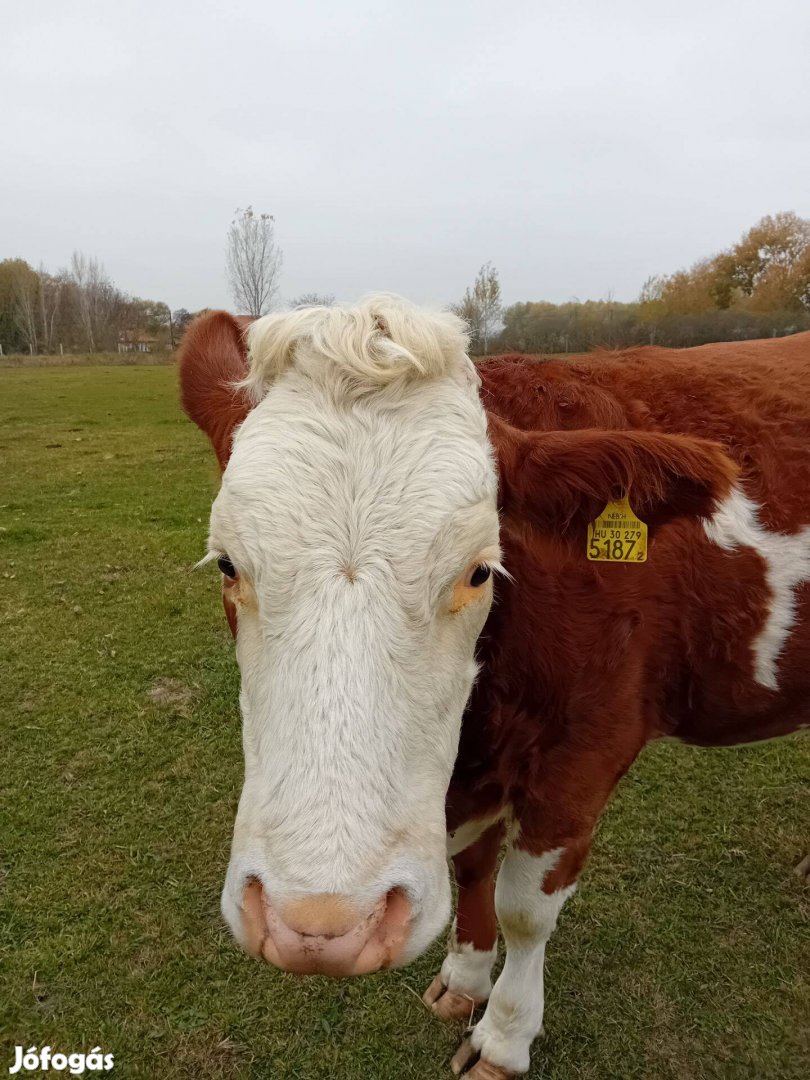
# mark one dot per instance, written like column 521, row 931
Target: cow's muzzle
column 326, row 933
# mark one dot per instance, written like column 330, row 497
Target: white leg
column 467, row 970
column 527, row 916
column 464, row 982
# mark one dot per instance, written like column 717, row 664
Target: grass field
column 685, row 954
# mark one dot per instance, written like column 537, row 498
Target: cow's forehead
column 389, row 469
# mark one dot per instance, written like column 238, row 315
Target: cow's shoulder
column 550, row 394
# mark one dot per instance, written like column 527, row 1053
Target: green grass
column 684, row 955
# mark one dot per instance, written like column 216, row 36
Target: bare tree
column 96, row 298
column 487, row 292
column 313, row 299
column 50, row 298
column 253, row 261
column 481, row 307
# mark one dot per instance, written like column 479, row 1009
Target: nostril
column 254, row 922
column 397, row 914
column 397, row 905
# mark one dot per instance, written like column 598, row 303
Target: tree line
column 758, row 287
column 79, row 309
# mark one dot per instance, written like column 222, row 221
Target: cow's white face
column 359, row 513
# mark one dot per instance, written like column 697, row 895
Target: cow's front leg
column 465, row 979
column 530, row 891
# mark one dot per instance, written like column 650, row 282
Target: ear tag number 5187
column 617, row 535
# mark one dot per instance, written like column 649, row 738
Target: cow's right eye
column 227, row 567
column 480, row 575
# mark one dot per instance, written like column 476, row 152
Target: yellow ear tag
column 617, row 535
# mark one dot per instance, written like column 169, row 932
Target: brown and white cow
column 372, row 482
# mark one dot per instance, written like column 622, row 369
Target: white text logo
column 34, row 1060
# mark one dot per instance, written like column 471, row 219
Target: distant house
column 136, row 341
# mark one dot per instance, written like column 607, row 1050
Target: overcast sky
column 581, row 145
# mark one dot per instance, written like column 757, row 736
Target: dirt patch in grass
column 172, row 695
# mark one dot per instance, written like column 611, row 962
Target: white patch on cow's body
column 466, row 835
column 467, row 970
column 736, row 524
column 527, row 917
column 358, row 491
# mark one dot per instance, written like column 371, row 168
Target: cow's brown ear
column 557, row 478
column 212, row 358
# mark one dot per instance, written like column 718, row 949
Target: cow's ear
column 557, row 478
column 212, row 358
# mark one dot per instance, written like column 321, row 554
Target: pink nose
column 326, row 934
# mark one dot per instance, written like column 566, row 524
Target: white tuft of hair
column 381, row 339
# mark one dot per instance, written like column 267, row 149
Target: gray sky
column 579, row 145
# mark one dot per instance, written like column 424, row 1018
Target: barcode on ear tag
column 617, row 535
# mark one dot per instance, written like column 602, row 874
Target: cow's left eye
column 227, row 567
column 469, row 588
column 480, row 575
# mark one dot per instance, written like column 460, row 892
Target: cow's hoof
column 448, row 1005
column 802, row 871
column 467, row 1061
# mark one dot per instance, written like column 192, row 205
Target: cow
column 464, row 598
